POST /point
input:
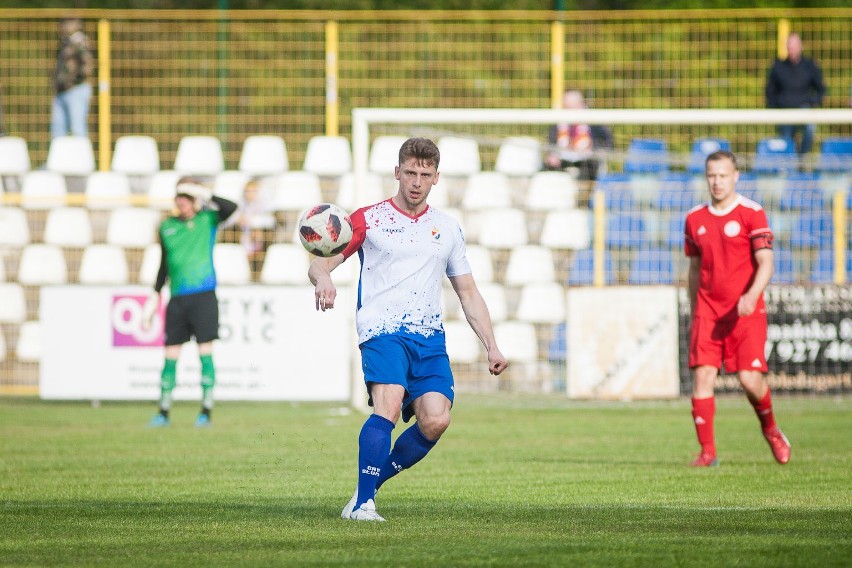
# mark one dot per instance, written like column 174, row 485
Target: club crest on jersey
column 732, row 228
column 436, row 233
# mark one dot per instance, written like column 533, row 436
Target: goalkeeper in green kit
column 186, row 241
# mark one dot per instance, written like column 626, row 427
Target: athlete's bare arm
column 748, row 301
column 476, row 312
column 320, row 275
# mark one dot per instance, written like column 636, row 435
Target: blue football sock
column 373, row 447
column 411, row 447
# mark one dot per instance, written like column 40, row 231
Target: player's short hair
column 422, row 149
column 722, row 155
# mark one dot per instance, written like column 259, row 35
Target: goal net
column 536, row 237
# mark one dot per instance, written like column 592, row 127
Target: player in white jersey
column 405, row 248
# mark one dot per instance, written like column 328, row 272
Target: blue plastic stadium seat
column 582, row 273
column 701, row 148
column 616, row 192
column 836, row 155
column 557, row 349
column 674, row 233
column 822, row 271
column 802, row 192
column 675, row 193
column 775, row 156
column 625, row 230
column 647, row 156
column 785, row 267
column 652, row 266
column 747, row 186
column 811, row 229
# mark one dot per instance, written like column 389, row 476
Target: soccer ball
column 325, row 229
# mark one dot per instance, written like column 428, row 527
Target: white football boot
column 366, row 512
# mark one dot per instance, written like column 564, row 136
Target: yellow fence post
column 840, row 236
column 104, row 111
column 783, row 32
column 599, row 234
column 332, row 103
column 557, row 63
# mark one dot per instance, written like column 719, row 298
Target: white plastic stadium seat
column 13, row 303
column 542, row 302
column 14, row 228
column 296, row 190
column 42, row 264
column 14, row 156
column 529, row 264
column 104, row 264
column 264, row 155
column 502, row 228
column 136, row 156
column 68, row 227
column 199, row 155
column 132, row 227
column 150, row 264
column 459, row 156
column 371, row 193
column 162, row 189
column 71, row 156
column 384, row 154
column 551, row 190
column 328, row 156
column 231, row 264
column 486, row 190
column 42, row 189
column 481, row 263
column 230, row 184
column 518, row 156
column 285, row 263
column 463, row 346
column 517, row 341
column 29, row 346
column 566, row 230
column 495, row 298
column 105, row 190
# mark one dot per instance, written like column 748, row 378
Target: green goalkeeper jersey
column 188, row 249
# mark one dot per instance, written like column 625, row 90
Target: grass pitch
column 520, row 481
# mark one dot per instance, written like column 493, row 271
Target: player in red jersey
column 729, row 245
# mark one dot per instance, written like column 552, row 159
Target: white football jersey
column 403, row 262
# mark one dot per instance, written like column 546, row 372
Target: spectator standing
column 74, row 64
column 795, row 82
column 729, row 245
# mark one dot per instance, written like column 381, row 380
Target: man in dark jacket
column 795, row 82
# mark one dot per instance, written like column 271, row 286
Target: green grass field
column 516, row 481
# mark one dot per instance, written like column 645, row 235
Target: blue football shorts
column 420, row 364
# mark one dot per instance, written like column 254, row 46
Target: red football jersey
column 726, row 240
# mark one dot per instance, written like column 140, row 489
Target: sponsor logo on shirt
column 701, row 230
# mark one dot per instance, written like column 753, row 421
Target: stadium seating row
column 332, row 156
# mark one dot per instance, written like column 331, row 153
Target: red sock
column 703, row 411
column 763, row 409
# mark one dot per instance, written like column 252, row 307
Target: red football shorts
column 739, row 343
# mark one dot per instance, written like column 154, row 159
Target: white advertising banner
column 273, row 346
column 622, row 343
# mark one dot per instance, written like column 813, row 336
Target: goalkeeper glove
column 149, row 310
column 198, row 192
